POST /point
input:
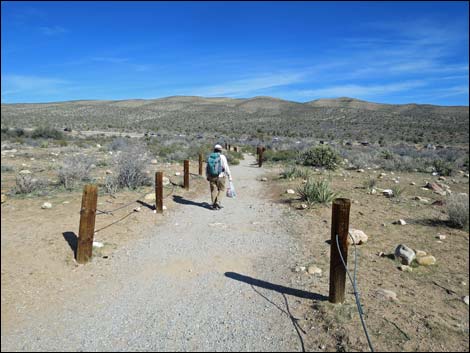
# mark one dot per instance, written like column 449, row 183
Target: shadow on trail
column 275, row 287
column 253, row 282
column 145, row 204
column 183, row 201
column 72, row 240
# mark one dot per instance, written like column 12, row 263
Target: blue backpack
column 214, row 164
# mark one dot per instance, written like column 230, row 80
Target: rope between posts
column 119, row 220
column 120, row 207
column 354, row 284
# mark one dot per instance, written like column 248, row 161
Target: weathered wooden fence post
column 226, row 145
column 340, row 227
column 186, row 174
column 87, row 223
column 159, row 192
column 235, row 148
column 260, row 157
column 229, row 147
column 200, row 163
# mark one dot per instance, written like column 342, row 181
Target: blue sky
column 390, row 52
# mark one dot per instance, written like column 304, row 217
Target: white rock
column 386, row 294
column 177, row 173
column 264, row 179
column 97, row 244
column 405, row 268
column 412, row 183
column 388, row 192
column 400, row 222
column 164, row 208
column 441, row 236
column 150, row 197
column 358, row 236
column 360, row 170
column 304, row 206
column 314, row 270
column 46, row 205
column 98, row 145
column 24, row 171
column 165, row 181
column 426, row 260
column 466, row 300
column 137, row 209
column 405, row 254
column 420, row 253
column 421, row 199
column 153, row 161
column 109, row 171
column 290, row 191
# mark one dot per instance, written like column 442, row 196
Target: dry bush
column 27, row 183
column 75, row 169
column 131, row 165
column 457, row 209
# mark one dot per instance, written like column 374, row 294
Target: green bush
column 283, row 155
column 296, row 172
column 443, row 167
column 321, row 156
column 316, row 191
column 46, row 132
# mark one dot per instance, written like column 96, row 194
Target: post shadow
column 145, row 204
column 181, row 200
column 72, row 240
column 275, row 287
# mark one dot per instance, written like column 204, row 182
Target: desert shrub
column 75, row 169
column 130, row 165
column 397, row 192
column 118, row 144
column 283, row 155
column 111, row 185
column 6, row 168
column 370, row 184
column 27, row 183
column 61, row 143
column 316, row 191
column 457, row 209
column 296, row 172
column 443, row 167
column 233, row 158
column 47, row 132
column 321, row 156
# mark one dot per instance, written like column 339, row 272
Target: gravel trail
column 202, row 281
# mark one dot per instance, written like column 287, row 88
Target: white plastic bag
column 231, row 191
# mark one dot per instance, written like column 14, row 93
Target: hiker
column 216, row 170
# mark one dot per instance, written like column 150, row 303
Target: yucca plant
column 316, row 191
column 370, row 184
column 295, row 172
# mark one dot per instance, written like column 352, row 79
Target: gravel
column 170, row 290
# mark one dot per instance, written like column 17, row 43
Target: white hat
column 218, row 147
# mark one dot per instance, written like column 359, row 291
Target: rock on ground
column 405, row 254
column 358, row 237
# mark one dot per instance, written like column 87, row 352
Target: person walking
column 216, row 170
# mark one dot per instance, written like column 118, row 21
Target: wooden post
column 159, row 192
column 186, row 174
column 229, row 147
column 200, row 163
column 226, row 145
column 340, row 227
column 260, row 157
column 235, row 148
column 257, row 150
column 87, row 223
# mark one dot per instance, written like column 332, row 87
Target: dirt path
column 202, row 281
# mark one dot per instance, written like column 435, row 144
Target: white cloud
column 250, row 85
column 20, row 84
column 359, row 91
column 52, row 31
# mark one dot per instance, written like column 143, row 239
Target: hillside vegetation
column 333, row 119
